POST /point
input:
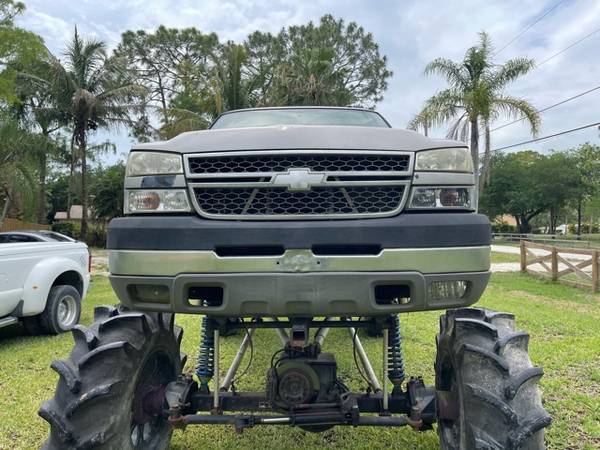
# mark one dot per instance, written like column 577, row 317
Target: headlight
column 156, row 200
column 442, row 197
column 445, row 160
column 153, row 163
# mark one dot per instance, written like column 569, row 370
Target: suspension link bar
column 364, row 359
column 235, row 364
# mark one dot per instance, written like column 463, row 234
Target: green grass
column 498, row 257
column 564, row 323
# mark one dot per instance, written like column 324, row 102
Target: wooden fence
column 15, row 225
column 573, row 266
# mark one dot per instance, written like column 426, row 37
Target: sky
column 410, row 33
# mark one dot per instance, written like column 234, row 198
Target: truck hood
column 291, row 137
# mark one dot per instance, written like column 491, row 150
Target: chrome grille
column 297, row 184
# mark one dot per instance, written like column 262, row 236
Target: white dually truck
column 42, row 284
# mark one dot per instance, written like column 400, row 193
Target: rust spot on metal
column 177, row 421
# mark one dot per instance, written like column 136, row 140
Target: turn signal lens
column 160, row 200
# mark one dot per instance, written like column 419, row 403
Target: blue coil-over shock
column 395, row 360
column 205, row 368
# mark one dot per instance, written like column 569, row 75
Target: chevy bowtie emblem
column 299, row 179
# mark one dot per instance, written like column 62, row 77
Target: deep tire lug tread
column 104, row 312
column 168, row 321
column 85, row 336
column 468, row 326
column 516, row 382
column 98, row 351
column 529, row 428
column 133, row 318
column 178, row 332
column 491, row 399
column 120, row 338
column 49, row 413
column 103, row 390
column 498, row 362
column 183, row 359
column 68, row 373
column 519, row 339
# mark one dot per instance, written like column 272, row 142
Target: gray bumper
column 297, row 283
column 306, row 295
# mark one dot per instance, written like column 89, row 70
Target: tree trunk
column 523, row 224
column 6, row 207
column 485, row 169
column 579, row 217
column 84, row 199
column 475, row 155
column 553, row 218
column 71, row 178
column 41, row 201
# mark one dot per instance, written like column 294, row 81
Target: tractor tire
column 110, row 392
column 483, row 363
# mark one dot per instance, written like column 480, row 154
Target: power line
column 530, row 26
column 548, row 107
column 567, row 48
column 548, row 137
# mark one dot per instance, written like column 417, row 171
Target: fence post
column 595, row 264
column 554, row 264
column 523, row 257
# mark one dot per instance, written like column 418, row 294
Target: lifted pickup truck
column 296, row 219
column 42, row 283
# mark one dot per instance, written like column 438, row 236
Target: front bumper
column 297, row 283
column 161, row 263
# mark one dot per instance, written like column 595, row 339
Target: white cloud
column 410, row 33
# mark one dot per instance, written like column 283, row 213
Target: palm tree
column 91, row 90
column 476, row 97
column 226, row 89
column 16, row 144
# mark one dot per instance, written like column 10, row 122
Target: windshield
column 300, row 116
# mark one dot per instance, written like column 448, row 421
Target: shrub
column 65, row 228
column 96, row 237
column 503, row 227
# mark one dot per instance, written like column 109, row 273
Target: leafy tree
column 164, row 61
column 193, row 78
column 15, row 43
column 58, row 186
column 587, row 161
column 107, row 185
column 36, row 106
column 330, row 63
column 526, row 184
column 228, row 88
column 91, row 90
column 475, row 97
column 15, row 144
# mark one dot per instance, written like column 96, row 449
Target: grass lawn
column 498, row 257
column 564, row 323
